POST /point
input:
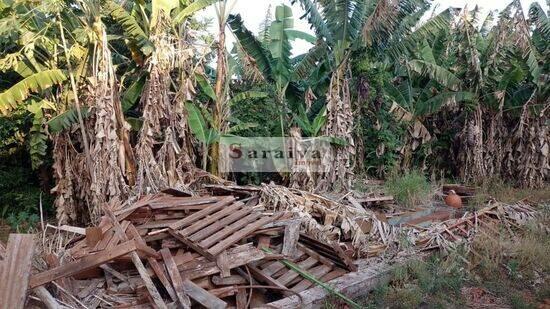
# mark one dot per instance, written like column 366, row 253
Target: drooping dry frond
column 163, row 149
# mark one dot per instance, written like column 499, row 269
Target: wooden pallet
column 216, row 228
column 277, row 274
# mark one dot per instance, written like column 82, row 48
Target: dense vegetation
column 109, row 99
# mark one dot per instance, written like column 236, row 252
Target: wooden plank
column 345, row 258
column 192, row 245
column 231, row 280
column 226, row 243
column 378, row 199
column 16, row 270
column 184, row 201
column 231, row 228
column 157, row 224
column 262, row 277
column 273, row 268
column 206, row 227
column 151, row 288
column 264, row 241
column 125, row 212
column 207, row 231
column 85, row 263
column 72, row 229
column 177, row 281
column 236, row 257
column 46, row 298
column 161, row 275
column 290, row 240
column 202, row 296
column 291, row 275
column 241, row 299
column 202, row 213
column 313, row 253
column 93, row 236
column 316, row 272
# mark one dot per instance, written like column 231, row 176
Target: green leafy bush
column 409, row 189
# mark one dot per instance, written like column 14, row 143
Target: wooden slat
column 203, row 213
column 202, row 296
column 151, row 288
column 16, row 269
column 85, row 263
column 191, row 244
column 231, row 280
column 183, row 201
column 202, row 229
column 262, row 277
column 291, row 275
column 235, row 237
column 231, row 228
column 290, row 240
column 273, row 268
column 316, row 272
column 236, row 257
column 161, row 274
column 177, row 281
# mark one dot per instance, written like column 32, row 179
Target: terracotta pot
column 453, row 200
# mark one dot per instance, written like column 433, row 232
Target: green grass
column 409, row 189
column 432, row 283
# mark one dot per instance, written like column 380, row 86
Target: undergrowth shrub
column 409, row 189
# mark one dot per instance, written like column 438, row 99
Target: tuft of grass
column 409, row 189
column 435, row 283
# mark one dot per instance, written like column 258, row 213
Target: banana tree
column 343, row 27
column 272, row 55
column 203, row 127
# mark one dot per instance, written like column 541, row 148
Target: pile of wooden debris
column 230, row 246
column 174, row 251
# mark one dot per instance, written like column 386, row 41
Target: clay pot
column 453, row 200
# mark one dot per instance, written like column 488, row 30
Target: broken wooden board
column 15, row 272
column 375, row 200
column 85, row 263
column 332, row 252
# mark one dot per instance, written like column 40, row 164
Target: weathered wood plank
column 316, row 272
column 291, row 275
column 183, row 201
column 231, row 228
column 85, row 263
column 226, row 243
column 16, row 270
column 151, row 288
column 160, row 272
column 177, row 281
column 202, row 213
column 203, row 229
column 46, row 298
column 202, row 296
column 262, row 277
column 290, row 240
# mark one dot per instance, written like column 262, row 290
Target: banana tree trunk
column 217, row 115
column 339, row 172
